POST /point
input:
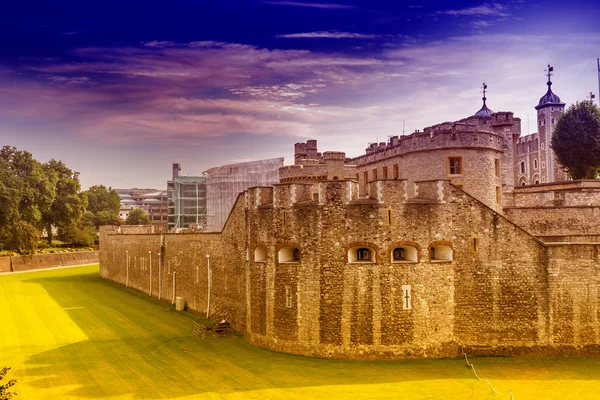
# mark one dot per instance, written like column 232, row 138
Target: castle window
column 406, row 297
column 522, row 167
column 385, row 172
column 289, row 254
column 535, row 164
column 475, row 244
column 396, row 172
column 553, row 120
column 498, row 194
column 260, row 254
column 440, row 253
column 455, row 165
column 405, row 254
column 497, row 166
column 361, row 255
column 375, row 174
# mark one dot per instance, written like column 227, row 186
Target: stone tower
column 548, row 110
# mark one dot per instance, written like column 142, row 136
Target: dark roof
column 484, row 111
column 549, row 99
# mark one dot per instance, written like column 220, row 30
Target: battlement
column 306, row 152
column 446, row 135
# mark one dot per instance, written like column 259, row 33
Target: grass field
column 68, row 334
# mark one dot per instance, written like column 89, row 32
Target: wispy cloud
column 494, row 9
column 311, row 5
column 328, row 35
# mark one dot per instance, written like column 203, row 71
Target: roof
column 484, row 111
column 549, row 99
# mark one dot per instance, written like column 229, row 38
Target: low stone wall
column 4, row 264
column 38, row 261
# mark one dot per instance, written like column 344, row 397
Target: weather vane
column 549, row 71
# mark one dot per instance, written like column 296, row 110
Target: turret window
column 522, row 167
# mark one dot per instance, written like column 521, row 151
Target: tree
column 30, row 185
column 78, row 235
column 4, row 393
column 23, row 237
column 104, row 205
column 576, row 140
column 69, row 203
column 137, row 217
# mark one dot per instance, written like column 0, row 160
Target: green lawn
column 68, row 334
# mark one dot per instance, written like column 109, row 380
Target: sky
column 119, row 90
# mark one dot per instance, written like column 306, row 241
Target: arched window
column 288, row 254
column 406, row 254
column 535, row 164
column 522, row 167
column 440, row 252
column 361, row 254
column 260, row 254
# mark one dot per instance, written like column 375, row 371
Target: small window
column 375, row 174
column 535, row 164
column 385, row 172
column 498, row 195
column 440, row 252
column 396, row 171
column 361, row 255
column 283, row 217
column 289, row 254
column 497, row 166
column 522, row 167
column 366, row 176
column 260, row 254
column 405, row 254
column 455, row 165
column 475, row 244
column 389, row 216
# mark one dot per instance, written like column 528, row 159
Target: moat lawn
column 68, row 334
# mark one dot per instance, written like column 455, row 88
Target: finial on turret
column 484, row 111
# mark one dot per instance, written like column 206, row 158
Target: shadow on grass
column 136, row 347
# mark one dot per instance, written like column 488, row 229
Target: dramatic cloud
column 327, row 35
column 311, row 5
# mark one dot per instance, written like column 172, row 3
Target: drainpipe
column 159, row 275
column 127, row 268
column 208, row 292
column 173, row 301
column 150, row 264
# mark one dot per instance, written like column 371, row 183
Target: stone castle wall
column 502, row 291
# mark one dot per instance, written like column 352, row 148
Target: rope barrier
column 487, row 381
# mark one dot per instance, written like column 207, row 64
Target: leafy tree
column 69, row 203
column 137, row 217
column 4, row 388
column 104, row 205
column 34, row 189
column 576, row 140
column 23, row 237
column 78, row 235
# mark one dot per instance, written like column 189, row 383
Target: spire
column 484, row 111
column 549, row 99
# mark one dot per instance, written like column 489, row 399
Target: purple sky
column 119, row 92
